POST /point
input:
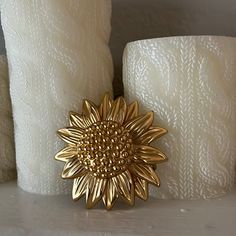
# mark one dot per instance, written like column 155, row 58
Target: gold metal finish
column 108, row 153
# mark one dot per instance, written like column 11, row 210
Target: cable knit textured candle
column 58, row 54
column 108, row 153
column 190, row 83
column 7, row 149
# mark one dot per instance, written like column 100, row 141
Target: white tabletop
column 22, row 213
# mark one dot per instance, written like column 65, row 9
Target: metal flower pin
column 108, row 153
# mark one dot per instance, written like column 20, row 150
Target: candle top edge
column 182, row 37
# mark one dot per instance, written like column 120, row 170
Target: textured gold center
column 105, row 149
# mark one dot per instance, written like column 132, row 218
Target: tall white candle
column 190, row 84
column 7, row 145
column 58, row 54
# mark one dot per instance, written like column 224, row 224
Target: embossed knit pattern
column 7, row 146
column 189, row 82
column 58, row 55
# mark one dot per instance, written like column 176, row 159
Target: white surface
column 25, row 214
column 58, row 54
column 189, row 82
column 7, row 149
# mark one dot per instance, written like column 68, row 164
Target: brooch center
column 105, row 149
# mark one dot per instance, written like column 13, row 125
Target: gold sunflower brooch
column 108, row 153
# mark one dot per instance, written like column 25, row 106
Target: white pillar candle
column 190, row 84
column 7, row 146
column 58, row 54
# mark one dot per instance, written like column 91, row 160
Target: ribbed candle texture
column 189, row 82
column 58, row 54
column 7, row 145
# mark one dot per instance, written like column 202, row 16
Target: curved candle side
column 7, row 145
column 58, row 54
column 190, row 84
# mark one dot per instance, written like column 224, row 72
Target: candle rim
column 180, row 36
